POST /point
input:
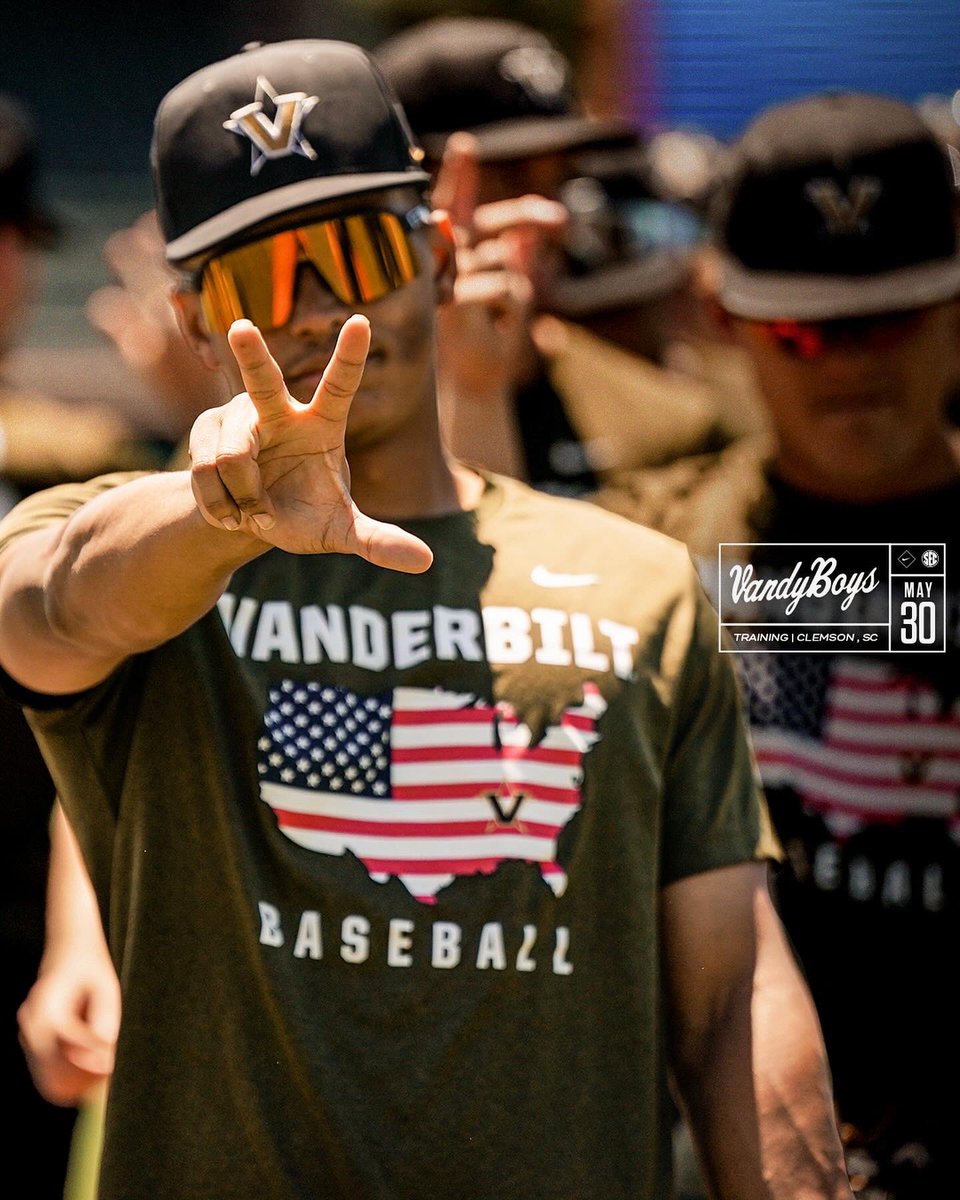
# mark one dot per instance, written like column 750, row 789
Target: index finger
column 343, row 372
column 262, row 378
column 458, row 180
column 534, row 213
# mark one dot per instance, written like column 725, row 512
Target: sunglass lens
column 359, row 258
column 253, row 281
column 801, row 339
column 811, row 339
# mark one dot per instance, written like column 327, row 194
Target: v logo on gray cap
column 845, row 214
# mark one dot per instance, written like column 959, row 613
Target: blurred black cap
column 502, row 81
column 624, row 244
column 20, row 203
column 836, row 205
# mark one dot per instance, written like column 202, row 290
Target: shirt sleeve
column 37, row 511
column 714, row 814
column 55, row 504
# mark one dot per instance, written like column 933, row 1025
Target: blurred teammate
column 510, row 87
column 839, row 274
column 135, row 313
column 392, row 858
column 43, row 441
column 584, row 397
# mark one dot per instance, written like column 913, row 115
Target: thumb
column 550, row 335
column 387, row 545
column 92, row 1058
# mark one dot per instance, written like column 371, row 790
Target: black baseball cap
column 502, row 81
column 275, row 128
column 624, row 245
column 836, row 205
column 20, row 204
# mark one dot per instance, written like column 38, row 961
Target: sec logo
column 930, row 558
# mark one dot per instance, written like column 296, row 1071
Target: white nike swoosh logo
column 545, row 578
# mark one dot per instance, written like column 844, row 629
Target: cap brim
column 619, row 285
column 773, row 296
column 525, row 137
column 251, row 212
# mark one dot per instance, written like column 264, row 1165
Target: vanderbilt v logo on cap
column 837, row 205
column 845, row 212
column 276, row 137
column 274, row 130
column 540, row 70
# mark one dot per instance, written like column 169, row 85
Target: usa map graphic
column 422, row 784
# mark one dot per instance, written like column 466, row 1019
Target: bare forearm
column 72, row 916
column 139, row 564
column 70, row 1018
column 483, row 431
column 128, row 570
column 759, row 1102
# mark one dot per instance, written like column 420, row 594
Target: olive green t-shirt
column 380, row 858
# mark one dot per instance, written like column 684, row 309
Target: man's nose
column 315, row 307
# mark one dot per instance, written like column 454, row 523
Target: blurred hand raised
column 483, row 341
column 135, row 313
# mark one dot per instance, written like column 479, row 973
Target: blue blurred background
column 713, row 63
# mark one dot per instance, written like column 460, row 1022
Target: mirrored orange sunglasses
column 360, row 257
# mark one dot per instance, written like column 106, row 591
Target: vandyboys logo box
column 877, row 597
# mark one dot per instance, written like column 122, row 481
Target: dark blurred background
column 93, row 73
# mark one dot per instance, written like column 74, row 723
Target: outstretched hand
column 275, row 468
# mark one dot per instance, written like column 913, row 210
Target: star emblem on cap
column 276, row 137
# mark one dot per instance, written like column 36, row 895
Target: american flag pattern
column 856, row 740
column 420, row 783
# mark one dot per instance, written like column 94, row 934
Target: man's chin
column 859, row 473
